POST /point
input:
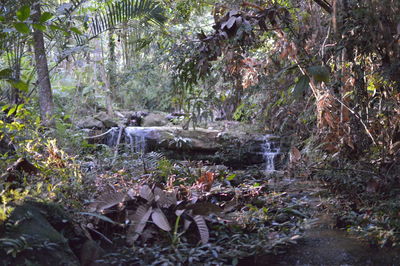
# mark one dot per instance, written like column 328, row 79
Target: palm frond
column 124, row 10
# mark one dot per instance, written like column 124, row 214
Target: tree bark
column 45, row 94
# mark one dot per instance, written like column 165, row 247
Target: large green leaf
column 76, row 30
column 21, row 27
column 45, row 17
column 319, row 73
column 23, row 13
column 39, row 27
column 22, row 86
column 5, row 73
column 301, row 86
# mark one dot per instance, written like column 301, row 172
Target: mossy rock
column 37, row 241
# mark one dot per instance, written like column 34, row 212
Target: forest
column 184, row 132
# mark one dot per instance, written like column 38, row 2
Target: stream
column 322, row 243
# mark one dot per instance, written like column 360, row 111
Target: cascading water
column 135, row 137
column 271, row 150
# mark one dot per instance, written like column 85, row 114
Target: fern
column 150, row 160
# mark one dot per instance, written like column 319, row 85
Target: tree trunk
column 105, row 78
column 45, row 94
column 111, row 66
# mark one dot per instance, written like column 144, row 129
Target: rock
column 107, row 120
column 155, row 120
column 91, row 252
column 233, row 150
column 39, row 242
column 90, row 122
column 282, row 217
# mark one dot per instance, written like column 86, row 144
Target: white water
column 270, row 151
column 135, row 137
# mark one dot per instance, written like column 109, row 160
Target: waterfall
column 112, row 137
column 135, row 137
column 271, row 149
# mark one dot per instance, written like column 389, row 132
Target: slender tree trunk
column 112, row 65
column 45, row 93
column 105, row 78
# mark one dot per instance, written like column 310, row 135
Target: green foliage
column 301, row 87
column 46, row 16
column 244, row 112
column 147, row 10
column 319, row 73
column 22, row 27
column 57, row 176
column 23, row 13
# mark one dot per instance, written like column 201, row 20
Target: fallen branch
column 99, row 136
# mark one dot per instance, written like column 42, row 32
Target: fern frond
column 151, row 159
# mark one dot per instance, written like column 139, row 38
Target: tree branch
column 324, row 5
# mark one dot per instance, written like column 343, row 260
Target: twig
column 100, row 234
column 324, row 5
column 98, row 136
column 324, row 43
column 116, row 145
column 358, row 117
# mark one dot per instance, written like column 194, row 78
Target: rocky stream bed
column 200, row 197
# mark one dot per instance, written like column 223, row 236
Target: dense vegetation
column 323, row 74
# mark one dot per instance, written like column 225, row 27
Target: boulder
column 155, row 120
column 90, row 122
column 37, row 242
column 107, row 120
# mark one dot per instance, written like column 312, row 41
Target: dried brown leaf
column 108, row 200
column 163, row 198
column 160, row 220
column 139, row 220
column 146, row 193
column 295, row 155
column 203, row 229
